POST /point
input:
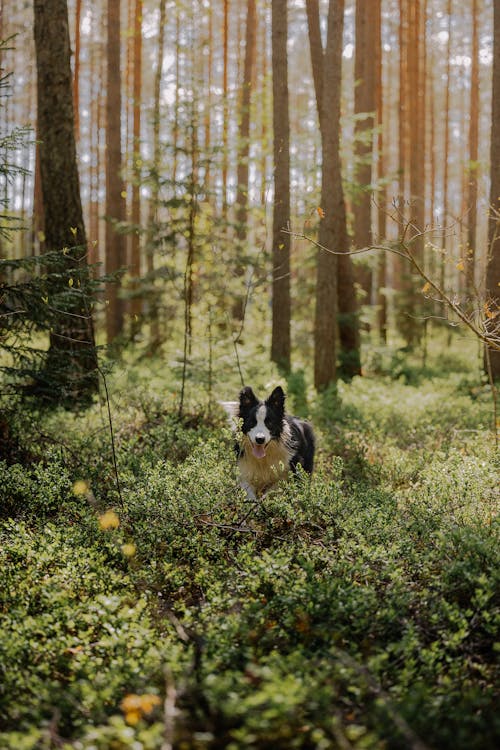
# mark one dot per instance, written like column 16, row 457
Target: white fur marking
column 259, row 474
column 260, row 430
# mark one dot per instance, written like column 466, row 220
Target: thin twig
column 112, row 434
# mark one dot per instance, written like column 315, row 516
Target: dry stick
column 169, row 712
column 493, row 393
column 492, row 341
column 112, row 434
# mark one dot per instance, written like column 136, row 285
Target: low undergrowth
column 360, row 610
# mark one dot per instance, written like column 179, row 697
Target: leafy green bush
column 359, row 609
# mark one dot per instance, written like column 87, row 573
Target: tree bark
column 280, row 344
column 493, row 267
column 365, row 72
column 115, row 190
column 473, row 155
column 72, row 355
column 135, row 246
column 242, row 169
column 333, row 296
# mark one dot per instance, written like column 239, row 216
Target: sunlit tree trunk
column 493, row 267
column 472, row 171
column 155, row 186
column 333, row 238
column 244, row 112
column 209, row 100
column 280, row 345
column 446, row 148
column 135, row 249
column 115, row 190
column 365, row 72
column 76, row 74
column 381, row 268
column 225, row 105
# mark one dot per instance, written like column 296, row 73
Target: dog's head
column 261, row 421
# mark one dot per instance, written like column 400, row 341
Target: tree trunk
column 242, row 170
column 280, row 346
column 225, row 107
column 381, row 268
column 155, row 185
column 115, row 200
column 76, row 76
column 72, row 356
column 333, row 238
column 493, row 267
column 365, row 71
column 135, row 248
column 472, row 171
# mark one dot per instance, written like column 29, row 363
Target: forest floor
column 360, row 610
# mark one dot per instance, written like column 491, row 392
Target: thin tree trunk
column 364, row 108
column 493, row 267
column 280, row 345
column 155, row 187
column 242, row 169
column 115, row 201
column 473, row 154
column 446, row 155
column 225, row 107
column 135, row 249
column 76, row 75
column 381, row 279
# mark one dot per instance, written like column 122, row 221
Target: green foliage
column 39, row 296
column 357, row 610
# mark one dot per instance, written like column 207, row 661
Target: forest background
column 204, row 194
column 179, row 167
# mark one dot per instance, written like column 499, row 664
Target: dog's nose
column 260, row 439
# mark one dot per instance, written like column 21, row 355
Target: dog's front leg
column 251, row 496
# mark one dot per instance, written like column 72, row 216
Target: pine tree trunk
column 135, row 249
column 115, row 200
column 333, row 228
column 242, row 169
column 280, row 345
column 71, row 357
column 155, row 186
column 493, row 267
column 364, row 107
column 472, row 192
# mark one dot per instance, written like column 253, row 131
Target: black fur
column 294, row 434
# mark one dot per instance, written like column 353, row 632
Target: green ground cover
column 358, row 611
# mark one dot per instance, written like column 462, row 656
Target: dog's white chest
column 259, row 474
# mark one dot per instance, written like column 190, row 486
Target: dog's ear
column 248, row 399
column 277, row 400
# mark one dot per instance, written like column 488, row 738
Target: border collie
column 271, row 443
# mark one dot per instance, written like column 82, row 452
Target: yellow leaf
column 460, row 265
column 123, row 193
column 109, row 520
column 80, row 487
column 73, row 231
column 70, row 282
column 426, row 287
column 320, row 212
column 129, row 549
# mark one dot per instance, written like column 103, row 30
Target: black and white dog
column 271, row 442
